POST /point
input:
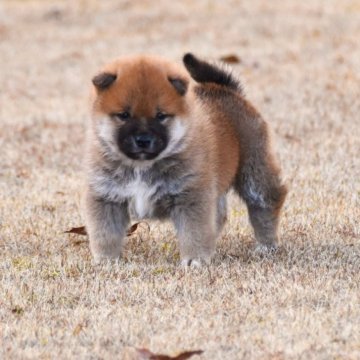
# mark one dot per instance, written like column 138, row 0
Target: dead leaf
column 231, row 59
column 78, row 329
column 132, row 229
column 17, row 310
column 78, row 242
column 77, row 230
column 54, row 14
column 291, row 138
column 81, row 230
column 146, row 354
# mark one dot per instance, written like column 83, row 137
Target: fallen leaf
column 231, row 59
column 54, row 14
column 81, row 230
column 291, row 138
column 17, row 310
column 77, row 230
column 78, row 242
column 146, row 354
column 78, row 329
column 132, row 229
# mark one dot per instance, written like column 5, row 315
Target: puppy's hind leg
column 260, row 186
column 106, row 224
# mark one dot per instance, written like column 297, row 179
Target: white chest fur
column 137, row 192
column 139, row 195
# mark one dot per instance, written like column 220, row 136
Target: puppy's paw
column 195, row 263
column 262, row 249
column 99, row 259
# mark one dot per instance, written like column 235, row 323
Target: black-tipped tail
column 203, row 72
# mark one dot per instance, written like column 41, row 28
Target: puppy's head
column 139, row 107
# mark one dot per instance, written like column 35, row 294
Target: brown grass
column 300, row 62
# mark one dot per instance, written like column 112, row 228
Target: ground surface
column 300, row 63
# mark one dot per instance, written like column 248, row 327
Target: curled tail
column 203, row 72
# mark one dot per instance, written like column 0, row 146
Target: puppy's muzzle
column 142, row 145
column 142, row 142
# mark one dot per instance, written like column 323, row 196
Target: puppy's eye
column 161, row 116
column 123, row 115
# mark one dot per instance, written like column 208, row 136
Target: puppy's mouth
column 142, row 155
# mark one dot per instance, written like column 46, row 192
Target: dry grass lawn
column 300, row 64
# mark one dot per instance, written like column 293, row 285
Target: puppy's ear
column 180, row 85
column 103, row 80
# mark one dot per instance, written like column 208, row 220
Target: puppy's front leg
column 106, row 223
column 195, row 223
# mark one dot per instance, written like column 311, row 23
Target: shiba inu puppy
column 169, row 142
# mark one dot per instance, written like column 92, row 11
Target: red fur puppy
column 168, row 142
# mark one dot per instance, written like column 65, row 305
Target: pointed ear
column 103, row 80
column 180, row 85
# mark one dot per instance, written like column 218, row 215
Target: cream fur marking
column 137, row 192
column 106, row 131
column 177, row 133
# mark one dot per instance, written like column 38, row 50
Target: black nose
column 144, row 141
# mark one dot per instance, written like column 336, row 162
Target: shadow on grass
column 293, row 253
